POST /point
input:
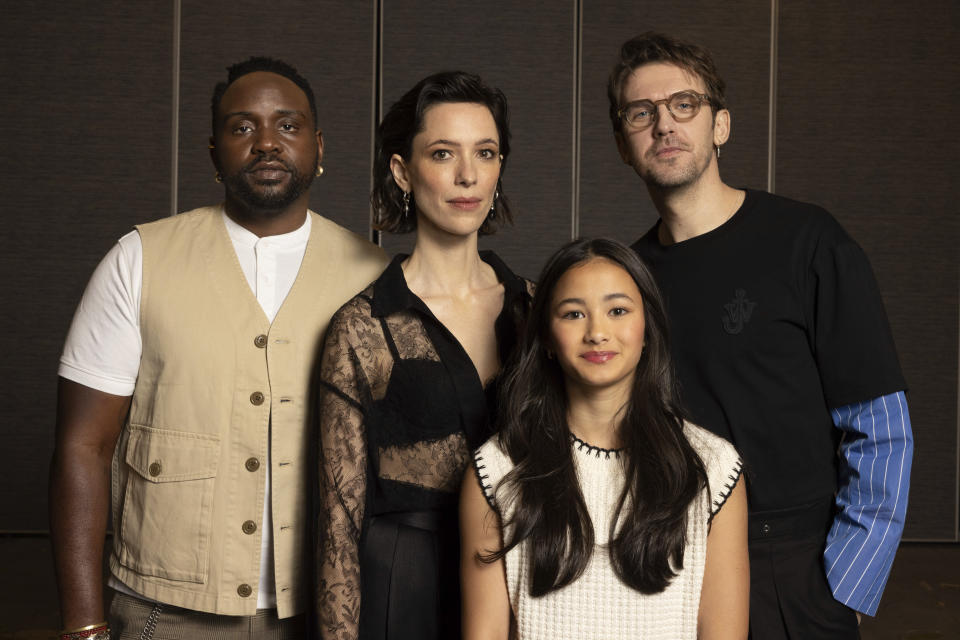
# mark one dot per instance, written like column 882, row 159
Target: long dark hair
column 663, row 474
column 404, row 121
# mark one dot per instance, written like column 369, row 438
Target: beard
column 267, row 197
column 679, row 172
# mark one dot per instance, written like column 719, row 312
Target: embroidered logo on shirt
column 737, row 312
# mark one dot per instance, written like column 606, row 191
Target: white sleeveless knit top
column 598, row 606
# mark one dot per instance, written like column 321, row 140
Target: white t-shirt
column 103, row 346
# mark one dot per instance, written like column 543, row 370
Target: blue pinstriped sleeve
column 877, row 450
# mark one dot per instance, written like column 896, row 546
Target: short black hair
column 261, row 63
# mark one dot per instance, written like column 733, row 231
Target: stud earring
column 218, row 177
column 406, row 204
column 319, row 171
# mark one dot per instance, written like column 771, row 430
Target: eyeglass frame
column 701, row 98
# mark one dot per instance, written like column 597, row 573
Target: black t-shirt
column 775, row 319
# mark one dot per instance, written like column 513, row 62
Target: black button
column 256, row 398
column 249, row 527
column 252, row 464
column 765, row 528
column 260, row 341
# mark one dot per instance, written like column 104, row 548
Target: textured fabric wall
column 867, row 127
column 86, row 120
column 865, row 123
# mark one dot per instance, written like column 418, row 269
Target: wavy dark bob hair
column 663, row 473
column 404, row 121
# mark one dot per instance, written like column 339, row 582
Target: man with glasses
column 782, row 346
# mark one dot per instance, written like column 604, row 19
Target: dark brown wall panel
column 86, row 121
column 868, row 128
column 525, row 48
column 613, row 200
column 330, row 43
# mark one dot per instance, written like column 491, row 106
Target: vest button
column 256, row 398
column 252, row 464
column 249, row 527
column 244, row 590
column 765, row 529
column 155, row 468
column 260, row 341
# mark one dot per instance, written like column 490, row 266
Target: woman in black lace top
column 409, row 368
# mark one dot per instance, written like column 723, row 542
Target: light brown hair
column 656, row 47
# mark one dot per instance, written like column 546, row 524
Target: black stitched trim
column 478, row 467
column 592, row 450
column 728, row 489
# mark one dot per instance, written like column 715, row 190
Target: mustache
column 252, row 165
column 668, row 142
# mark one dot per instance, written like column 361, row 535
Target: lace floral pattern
column 395, row 418
column 441, row 468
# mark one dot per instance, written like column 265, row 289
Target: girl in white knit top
column 597, row 512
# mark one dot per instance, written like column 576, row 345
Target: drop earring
column 406, row 204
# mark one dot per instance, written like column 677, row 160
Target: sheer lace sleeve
column 351, row 353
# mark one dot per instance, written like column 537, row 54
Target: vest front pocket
column 167, row 513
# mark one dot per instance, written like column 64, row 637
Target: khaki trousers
column 135, row 619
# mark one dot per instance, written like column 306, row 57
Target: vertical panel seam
column 376, row 107
column 772, row 113
column 175, row 113
column 577, row 97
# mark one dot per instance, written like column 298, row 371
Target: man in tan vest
column 184, row 390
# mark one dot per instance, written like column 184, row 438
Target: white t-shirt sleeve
column 103, row 346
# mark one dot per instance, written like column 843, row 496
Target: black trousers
column 410, row 576
column 790, row 598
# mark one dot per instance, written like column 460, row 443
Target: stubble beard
column 268, row 200
column 671, row 176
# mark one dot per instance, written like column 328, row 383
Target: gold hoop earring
column 319, row 171
column 218, row 177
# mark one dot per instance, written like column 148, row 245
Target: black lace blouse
column 400, row 407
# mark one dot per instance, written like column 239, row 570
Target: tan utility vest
column 189, row 468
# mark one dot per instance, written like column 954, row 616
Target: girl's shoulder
column 721, row 461
column 706, row 443
column 491, row 463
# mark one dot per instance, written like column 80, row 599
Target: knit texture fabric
column 598, row 606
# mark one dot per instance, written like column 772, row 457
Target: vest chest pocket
column 167, row 513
